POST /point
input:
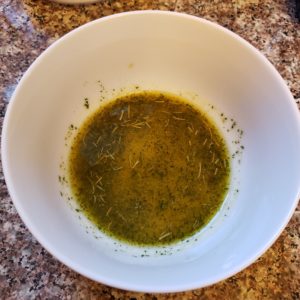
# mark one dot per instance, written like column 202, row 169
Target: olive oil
column 149, row 168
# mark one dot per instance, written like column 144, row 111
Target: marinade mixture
column 149, row 168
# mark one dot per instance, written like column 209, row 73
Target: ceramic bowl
column 184, row 55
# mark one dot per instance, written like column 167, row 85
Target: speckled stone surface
column 28, row 27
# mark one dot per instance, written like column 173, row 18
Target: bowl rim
column 62, row 257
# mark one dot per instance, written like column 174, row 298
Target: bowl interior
column 158, row 51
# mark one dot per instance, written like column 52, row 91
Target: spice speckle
column 86, row 103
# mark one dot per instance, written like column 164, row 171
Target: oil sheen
column 149, row 168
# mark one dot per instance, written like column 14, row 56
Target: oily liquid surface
column 149, row 169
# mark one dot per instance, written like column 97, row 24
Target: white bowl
column 159, row 51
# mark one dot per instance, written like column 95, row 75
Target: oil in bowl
column 149, row 168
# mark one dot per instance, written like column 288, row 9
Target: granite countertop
column 27, row 27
